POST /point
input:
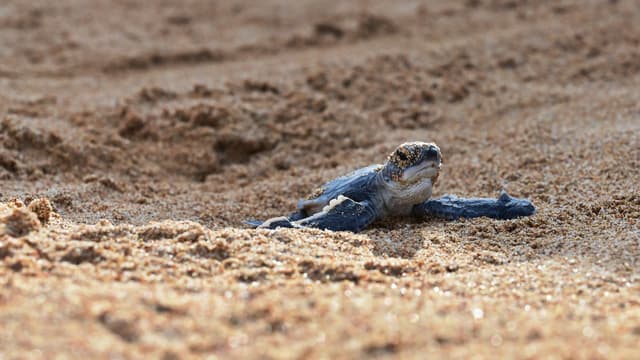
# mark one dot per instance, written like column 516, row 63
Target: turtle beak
column 434, row 155
column 433, row 152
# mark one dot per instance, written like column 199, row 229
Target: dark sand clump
column 133, row 146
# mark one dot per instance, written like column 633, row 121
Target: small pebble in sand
column 42, row 208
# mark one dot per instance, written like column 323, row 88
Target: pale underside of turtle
column 400, row 187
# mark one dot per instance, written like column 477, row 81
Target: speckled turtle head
column 413, row 162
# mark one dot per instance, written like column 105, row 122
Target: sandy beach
column 135, row 139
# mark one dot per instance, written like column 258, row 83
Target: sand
column 136, row 138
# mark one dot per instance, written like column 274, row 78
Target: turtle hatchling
column 401, row 186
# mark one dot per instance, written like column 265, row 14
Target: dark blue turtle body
column 400, row 187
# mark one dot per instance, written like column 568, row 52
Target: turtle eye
column 402, row 155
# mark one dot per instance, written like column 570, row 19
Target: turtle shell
column 358, row 185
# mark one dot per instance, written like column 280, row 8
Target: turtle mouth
column 428, row 169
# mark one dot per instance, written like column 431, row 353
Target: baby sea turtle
column 400, row 187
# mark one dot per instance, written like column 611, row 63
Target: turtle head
column 413, row 162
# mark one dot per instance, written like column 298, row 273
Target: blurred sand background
column 135, row 137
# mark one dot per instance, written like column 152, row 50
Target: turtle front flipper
column 253, row 223
column 452, row 207
column 342, row 214
column 281, row 221
column 278, row 222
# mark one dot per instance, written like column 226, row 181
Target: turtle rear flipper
column 342, row 214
